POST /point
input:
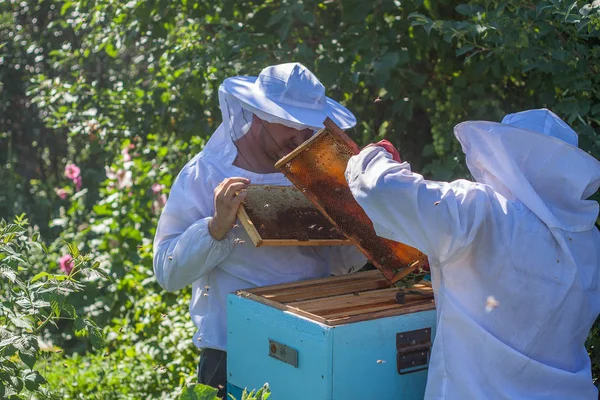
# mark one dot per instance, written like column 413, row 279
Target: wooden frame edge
column 249, row 226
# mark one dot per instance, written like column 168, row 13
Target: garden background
column 103, row 101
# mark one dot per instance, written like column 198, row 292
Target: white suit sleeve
column 437, row 218
column 184, row 250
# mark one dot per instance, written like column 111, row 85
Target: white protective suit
column 186, row 254
column 515, row 256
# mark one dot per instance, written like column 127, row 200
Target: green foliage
column 198, row 392
column 261, row 394
column 203, row 392
column 542, row 54
column 32, row 299
column 127, row 93
column 148, row 354
column 593, row 346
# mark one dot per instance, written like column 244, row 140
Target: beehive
column 349, row 337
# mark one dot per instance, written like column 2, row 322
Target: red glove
column 389, row 148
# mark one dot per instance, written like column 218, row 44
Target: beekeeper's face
column 278, row 140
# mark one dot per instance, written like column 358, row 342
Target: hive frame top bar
column 329, row 126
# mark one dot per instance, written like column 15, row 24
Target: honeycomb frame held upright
column 317, row 169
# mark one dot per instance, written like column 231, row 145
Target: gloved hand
column 389, row 148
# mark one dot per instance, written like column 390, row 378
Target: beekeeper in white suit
column 196, row 243
column 515, row 256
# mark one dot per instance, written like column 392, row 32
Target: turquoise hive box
column 349, row 337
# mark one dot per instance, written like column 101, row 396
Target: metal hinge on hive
column 414, row 349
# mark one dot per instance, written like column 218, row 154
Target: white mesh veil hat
column 288, row 94
column 533, row 156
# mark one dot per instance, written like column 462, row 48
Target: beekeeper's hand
column 228, row 196
column 389, row 148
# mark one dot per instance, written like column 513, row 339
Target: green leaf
column 79, row 324
column 263, row 393
column 199, row 392
column 39, row 276
column 8, row 273
column 33, row 379
column 95, row 333
column 110, row 50
column 469, row 10
column 178, row 73
column 21, row 321
column 571, row 7
column 73, row 249
column 29, row 357
column 55, row 306
column 65, row 7
column 9, row 341
column 383, row 128
column 464, row 49
column 103, row 274
column 277, row 17
column 388, row 61
column 70, row 310
column 541, row 7
column 103, row 209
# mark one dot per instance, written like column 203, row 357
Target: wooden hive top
column 343, row 299
column 282, row 216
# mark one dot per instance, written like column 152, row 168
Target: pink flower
column 126, row 155
column 110, row 174
column 66, row 263
column 77, row 182
column 72, row 171
column 157, row 188
column 162, row 200
column 62, row 193
column 124, row 179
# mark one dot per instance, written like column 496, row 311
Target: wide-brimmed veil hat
column 533, row 156
column 289, row 94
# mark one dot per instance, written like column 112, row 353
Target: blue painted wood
column 364, row 359
column 333, row 362
column 235, row 391
column 251, row 325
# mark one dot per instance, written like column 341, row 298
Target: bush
column 102, row 103
column 32, row 299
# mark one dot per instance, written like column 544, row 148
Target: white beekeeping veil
column 533, row 156
column 287, row 94
column 236, row 119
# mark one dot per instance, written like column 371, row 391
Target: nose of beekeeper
column 278, row 140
